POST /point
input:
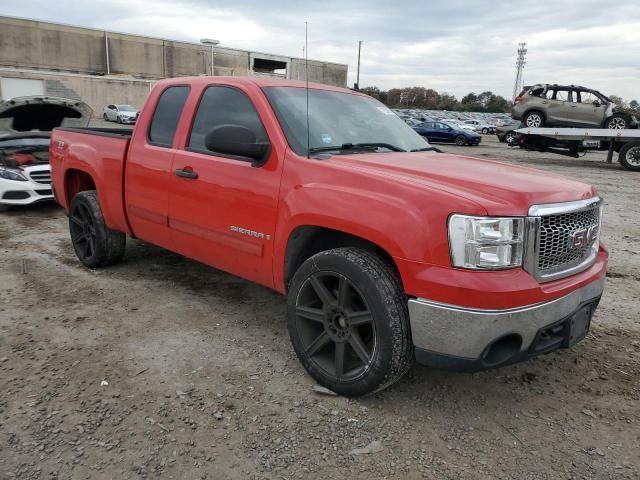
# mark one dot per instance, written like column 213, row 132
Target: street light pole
column 212, row 43
column 358, row 72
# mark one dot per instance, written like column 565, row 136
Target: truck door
column 148, row 172
column 222, row 210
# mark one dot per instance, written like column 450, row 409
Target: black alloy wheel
column 335, row 326
column 460, row 140
column 83, row 232
column 348, row 320
column 95, row 244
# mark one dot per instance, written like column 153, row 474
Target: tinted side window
column 166, row 116
column 224, row 106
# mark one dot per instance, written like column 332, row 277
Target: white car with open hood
column 25, row 130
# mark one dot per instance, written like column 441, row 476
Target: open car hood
column 23, row 115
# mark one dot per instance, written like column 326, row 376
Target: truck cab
column 387, row 250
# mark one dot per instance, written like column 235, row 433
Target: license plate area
column 579, row 324
column 565, row 333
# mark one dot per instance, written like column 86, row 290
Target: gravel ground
column 162, row 367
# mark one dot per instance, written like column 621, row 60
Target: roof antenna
column 306, row 76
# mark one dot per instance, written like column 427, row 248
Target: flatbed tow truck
column 573, row 141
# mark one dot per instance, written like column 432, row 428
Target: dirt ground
column 161, row 367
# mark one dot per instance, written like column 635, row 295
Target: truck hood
column 41, row 114
column 499, row 188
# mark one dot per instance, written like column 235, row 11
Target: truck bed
column 100, row 152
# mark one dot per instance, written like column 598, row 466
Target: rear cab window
column 166, row 116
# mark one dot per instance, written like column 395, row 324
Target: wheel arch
column 307, row 240
column 624, row 115
column 76, row 181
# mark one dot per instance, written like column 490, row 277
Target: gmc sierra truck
column 387, row 250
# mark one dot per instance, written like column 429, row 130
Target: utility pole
column 358, row 71
column 211, row 43
column 520, row 62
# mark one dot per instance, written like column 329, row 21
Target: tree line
column 429, row 99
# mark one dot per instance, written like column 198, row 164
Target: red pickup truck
column 388, row 251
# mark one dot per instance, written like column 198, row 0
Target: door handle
column 544, row 103
column 186, row 173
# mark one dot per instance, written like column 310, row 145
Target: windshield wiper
column 427, row 149
column 357, row 146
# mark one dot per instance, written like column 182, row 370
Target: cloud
column 455, row 46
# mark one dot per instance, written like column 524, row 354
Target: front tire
column 348, row 321
column 509, row 138
column 460, row 140
column 95, row 244
column 534, row 120
column 485, row 131
column 104, row 117
column 617, row 122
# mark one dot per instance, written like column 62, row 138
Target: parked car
column 386, row 249
column 25, row 130
column 481, row 127
column 441, row 132
column 506, row 132
column 546, row 105
column 120, row 113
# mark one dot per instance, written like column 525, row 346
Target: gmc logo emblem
column 584, row 237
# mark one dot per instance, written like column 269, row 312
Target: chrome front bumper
column 448, row 335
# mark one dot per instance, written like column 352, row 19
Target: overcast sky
column 453, row 46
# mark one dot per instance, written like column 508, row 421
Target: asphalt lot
column 160, row 367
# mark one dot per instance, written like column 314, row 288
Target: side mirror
column 596, row 103
column 449, row 129
column 238, row 141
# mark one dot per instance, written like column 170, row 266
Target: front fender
column 391, row 222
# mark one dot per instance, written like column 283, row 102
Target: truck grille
column 41, row 176
column 556, row 252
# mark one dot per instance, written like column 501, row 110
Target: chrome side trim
column 545, row 209
column 465, row 332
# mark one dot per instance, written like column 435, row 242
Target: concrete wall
column 28, row 44
column 97, row 92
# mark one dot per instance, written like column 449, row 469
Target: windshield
column 126, row 108
column 337, row 119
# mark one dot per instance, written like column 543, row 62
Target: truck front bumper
column 468, row 339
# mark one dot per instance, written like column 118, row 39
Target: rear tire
column 95, row 244
column 534, row 120
column 629, row 156
column 104, row 117
column 348, row 320
column 460, row 140
column 510, row 137
column 485, row 131
column 3, row 208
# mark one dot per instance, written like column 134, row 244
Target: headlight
column 12, row 174
column 485, row 242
